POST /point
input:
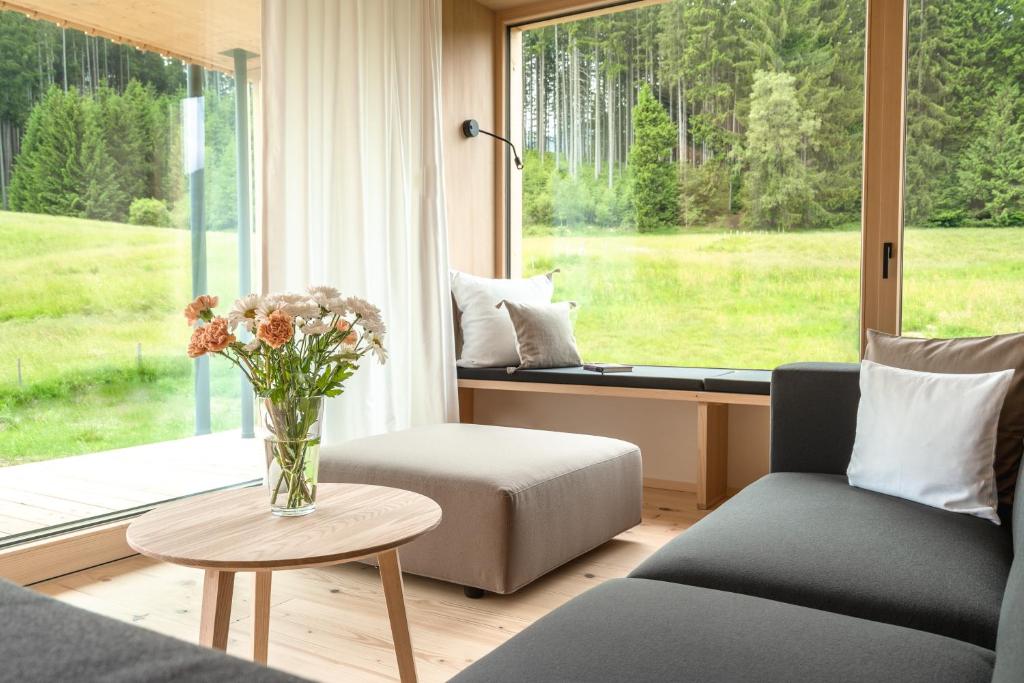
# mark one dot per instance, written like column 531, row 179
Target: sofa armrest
column 814, row 416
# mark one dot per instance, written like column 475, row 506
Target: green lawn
column 78, row 296
column 756, row 300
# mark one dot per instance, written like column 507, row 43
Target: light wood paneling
column 468, row 93
column 196, row 31
column 330, row 624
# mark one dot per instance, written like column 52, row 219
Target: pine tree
column 655, row 195
column 47, row 175
column 780, row 189
column 102, row 182
column 991, row 171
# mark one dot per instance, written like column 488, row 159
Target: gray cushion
column 637, row 630
column 44, row 640
column 813, row 540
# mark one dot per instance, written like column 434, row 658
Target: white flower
column 377, row 347
column 253, row 344
column 337, row 306
column 267, row 306
column 303, row 308
column 315, row 326
column 369, row 315
column 323, row 294
column 244, row 312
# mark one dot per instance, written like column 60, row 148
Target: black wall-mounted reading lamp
column 470, row 128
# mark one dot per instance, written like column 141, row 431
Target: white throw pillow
column 488, row 337
column 929, row 437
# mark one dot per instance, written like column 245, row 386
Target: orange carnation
column 217, row 336
column 276, row 330
column 195, row 310
column 351, row 338
column 197, row 344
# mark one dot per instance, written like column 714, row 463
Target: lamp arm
column 515, row 154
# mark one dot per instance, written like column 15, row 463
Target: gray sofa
column 799, row 577
column 42, row 639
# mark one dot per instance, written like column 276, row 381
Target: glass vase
column 290, row 429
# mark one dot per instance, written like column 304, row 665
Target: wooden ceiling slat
column 194, row 31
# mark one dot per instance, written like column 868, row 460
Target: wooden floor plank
column 331, row 624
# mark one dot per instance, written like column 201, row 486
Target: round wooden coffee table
column 233, row 531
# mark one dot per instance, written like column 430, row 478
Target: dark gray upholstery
column 44, row 640
column 741, row 382
column 814, row 416
column 637, row 630
column 642, row 377
column 814, row 540
column 1010, row 642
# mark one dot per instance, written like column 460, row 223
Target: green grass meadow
column 760, row 299
column 79, row 295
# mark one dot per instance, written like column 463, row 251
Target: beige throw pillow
column 966, row 356
column 544, row 337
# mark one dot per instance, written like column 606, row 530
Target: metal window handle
column 886, row 257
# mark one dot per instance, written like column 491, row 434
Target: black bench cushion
column 813, row 540
column 42, row 639
column 638, row 630
column 642, row 377
column 741, row 382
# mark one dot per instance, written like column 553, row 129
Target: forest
column 91, row 129
column 748, row 114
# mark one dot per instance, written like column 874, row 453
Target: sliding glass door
column 117, row 157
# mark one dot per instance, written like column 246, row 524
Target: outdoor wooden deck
column 42, row 494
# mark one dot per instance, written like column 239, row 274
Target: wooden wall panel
column 468, row 92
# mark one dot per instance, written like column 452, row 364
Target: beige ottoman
column 516, row 503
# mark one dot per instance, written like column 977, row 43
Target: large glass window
column 694, row 170
column 963, row 270
column 102, row 192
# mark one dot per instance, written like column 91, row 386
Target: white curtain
column 353, row 191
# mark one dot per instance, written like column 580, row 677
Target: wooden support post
column 466, row 406
column 712, row 453
column 216, row 615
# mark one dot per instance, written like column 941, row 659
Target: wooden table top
column 234, row 530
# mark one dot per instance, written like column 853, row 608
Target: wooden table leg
column 391, row 578
column 260, row 616
column 712, row 453
column 216, row 614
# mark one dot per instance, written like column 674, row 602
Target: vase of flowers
column 300, row 349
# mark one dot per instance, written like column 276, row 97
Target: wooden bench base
column 712, row 421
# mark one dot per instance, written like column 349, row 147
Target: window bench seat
column 712, row 389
